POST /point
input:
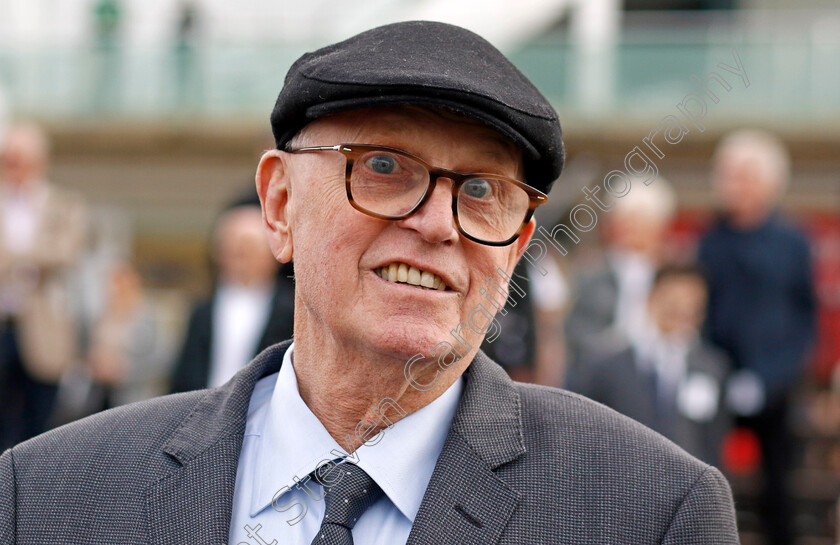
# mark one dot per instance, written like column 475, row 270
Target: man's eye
column 383, row 164
column 478, row 189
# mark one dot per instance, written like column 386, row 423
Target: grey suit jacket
column 615, row 379
column 521, row 464
column 593, row 311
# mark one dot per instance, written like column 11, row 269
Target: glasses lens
column 387, row 183
column 491, row 209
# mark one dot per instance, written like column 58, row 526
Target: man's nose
column 434, row 220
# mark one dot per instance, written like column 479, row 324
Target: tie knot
column 347, row 497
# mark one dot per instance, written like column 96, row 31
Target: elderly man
column 762, row 305
column 409, row 161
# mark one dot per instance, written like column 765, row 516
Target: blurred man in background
column 42, row 233
column 613, row 291
column 762, row 306
column 515, row 349
column 666, row 377
column 251, row 308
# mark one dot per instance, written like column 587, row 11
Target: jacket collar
column 466, row 501
column 222, row 411
column 489, row 417
column 194, row 502
column 486, row 433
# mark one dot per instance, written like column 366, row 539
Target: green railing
column 791, row 80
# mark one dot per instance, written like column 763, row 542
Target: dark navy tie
column 344, row 503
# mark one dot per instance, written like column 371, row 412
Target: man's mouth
column 402, row 273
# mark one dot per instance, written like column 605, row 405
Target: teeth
column 400, row 272
column 413, row 276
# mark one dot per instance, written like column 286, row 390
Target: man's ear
column 273, row 186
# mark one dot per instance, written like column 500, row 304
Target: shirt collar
column 657, row 352
column 294, row 442
column 229, row 290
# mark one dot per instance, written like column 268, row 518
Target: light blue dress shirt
column 284, row 442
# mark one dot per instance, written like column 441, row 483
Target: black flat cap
column 429, row 64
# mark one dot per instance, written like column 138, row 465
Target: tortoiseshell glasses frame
column 520, row 199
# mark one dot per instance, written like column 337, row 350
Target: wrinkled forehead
column 415, row 129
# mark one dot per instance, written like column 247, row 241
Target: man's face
column 634, row 231
column 677, row 306
column 242, row 253
column 741, row 187
column 23, row 158
column 338, row 250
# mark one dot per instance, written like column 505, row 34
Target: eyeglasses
column 392, row 184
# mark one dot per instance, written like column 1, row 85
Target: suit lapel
column 193, row 503
column 466, row 502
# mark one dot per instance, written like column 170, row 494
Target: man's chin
column 404, row 343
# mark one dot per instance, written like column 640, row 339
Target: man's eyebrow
column 497, row 157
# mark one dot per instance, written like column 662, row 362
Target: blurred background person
column 612, row 291
column 528, row 346
column 515, row 348
column 666, row 377
column 550, row 300
column 762, row 306
column 126, row 358
column 42, row 236
column 251, row 308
